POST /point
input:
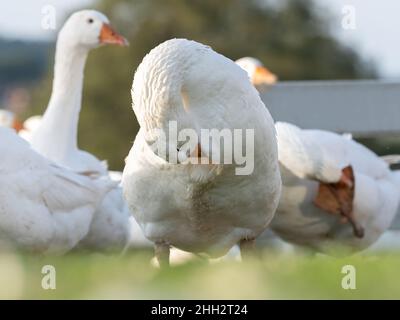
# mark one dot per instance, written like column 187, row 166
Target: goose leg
column 247, row 248
column 161, row 251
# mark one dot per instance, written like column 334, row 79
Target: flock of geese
column 312, row 188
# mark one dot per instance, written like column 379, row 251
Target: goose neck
column 59, row 127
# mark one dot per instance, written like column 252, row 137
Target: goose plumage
column 309, row 157
column 44, row 208
column 198, row 208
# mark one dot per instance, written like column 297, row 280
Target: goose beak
column 17, row 125
column 263, row 76
column 109, row 36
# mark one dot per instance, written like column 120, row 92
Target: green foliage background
column 293, row 39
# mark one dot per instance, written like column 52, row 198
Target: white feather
column 43, row 207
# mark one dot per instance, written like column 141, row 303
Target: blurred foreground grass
column 93, row 276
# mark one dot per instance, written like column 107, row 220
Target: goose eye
column 90, row 20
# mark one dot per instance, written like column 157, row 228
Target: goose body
column 56, row 135
column 195, row 207
column 309, row 157
column 44, row 208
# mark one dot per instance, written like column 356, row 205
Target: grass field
column 93, row 276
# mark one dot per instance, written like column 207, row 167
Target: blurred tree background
column 16, row 66
column 291, row 37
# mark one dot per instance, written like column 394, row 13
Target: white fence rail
column 364, row 108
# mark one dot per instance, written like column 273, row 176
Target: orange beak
column 264, row 76
column 109, row 36
column 17, row 125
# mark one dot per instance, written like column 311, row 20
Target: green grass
column 93, row 276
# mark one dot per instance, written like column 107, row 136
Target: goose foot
column 162, row 251
column 337, row 198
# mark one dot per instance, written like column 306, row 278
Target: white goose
column 56, row 136
column 326, row 204
column 198, row 207
column 44, row 208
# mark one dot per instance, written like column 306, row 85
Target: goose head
column 89, row 29
column 9, row 120
column 258, row 74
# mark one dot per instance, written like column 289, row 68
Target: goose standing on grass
column 200, row 208
column 56, row 136
column 336, row 194
column 9, row 120
column 44, row 208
